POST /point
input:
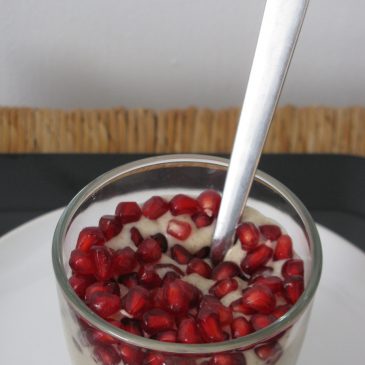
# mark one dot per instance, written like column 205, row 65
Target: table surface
column 331, row 186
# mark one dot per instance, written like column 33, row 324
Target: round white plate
column 31, row 329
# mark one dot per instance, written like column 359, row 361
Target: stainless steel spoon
column 278, row 36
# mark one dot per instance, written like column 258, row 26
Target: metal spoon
column 278, row 36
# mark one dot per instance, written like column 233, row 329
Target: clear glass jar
column 166, row 175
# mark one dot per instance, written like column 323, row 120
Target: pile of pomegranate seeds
column 156, row 286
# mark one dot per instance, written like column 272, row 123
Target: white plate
column 31, row 330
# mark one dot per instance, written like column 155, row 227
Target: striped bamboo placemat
column 294, row 130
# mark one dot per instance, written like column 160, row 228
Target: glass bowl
column 279, row 343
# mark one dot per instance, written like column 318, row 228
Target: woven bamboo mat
column 294, row 130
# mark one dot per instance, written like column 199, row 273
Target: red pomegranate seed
column 107, row 355
column 228, row 359
column 293, row 288
column 201, row 220
column 180, row 254
column 225, row 270
column 157, row 298
column 211, row 304
column 210, row 327
column 136, row 236
column 183, row 204
column 239, row 306
column 149, row 251
column 170, row 276
column 166, row 336
column 79, row 284
column 209, row 201
column 294, row 267
column 248, row 235
column 110, row 226
column 270, row 352
column 281, row 310
column 260, row 321
column 270, row 231
column 129, row 280
column 124, row 261
column 179, row 229
column 200, row 267
column 128, row 212
column 105, row 304
column 188, row 331
column 223, row 287
column 155, row 207
column 136, row 301
column 88, row 237
column 148, row 277
column 130, row 354
column 259, row 298
column 170, row 266
column 157, row 320
column 256, row 259
column 131, row 325
column 162, row 241
column 284, row 248
column 103, row 258
column 82, row 262
column 98, row 336
column 154, row 358
column 274, row 283
column 203, row 253
column 100, row 288
column 240, row 327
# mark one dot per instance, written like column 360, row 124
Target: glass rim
column 205, row 348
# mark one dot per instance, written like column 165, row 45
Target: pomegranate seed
column 155, row 207
column 188, row 331
column 107, row 355
column 281, row 310
column 203, row 253
column 105, row 304
column 128, row 212
column 210, row 327
column 88, row 237
column 211, row 304
column 225, row 270
column 259, row 298
column 284, row 248
column 170, row 266
column 157, row 320
column 132, row 326
column 240, row 327
column 100, row 288
column 200, row 267
column 148, row 277
column 110, row 226
column 248, row 235
column 166, row 336
column 274, row 283
column 124, row 261
column 209, row 201
column 223, row 287
column 162, row 241
column 154, row 358
column 170, row 276
column 260, row 321
column 183, row 204
column 136, row 301
column 239, row 306
column 97, row 336
column 179, row 229
column 270, row 231
column 103, row 258
column 256, row 259
column 136, row 236
column 294, row 267
column 82, row 262
column 130, row 354
column 129, row 280
column 149, row 251
column 228, row 359
column 293, row 288
column 180, row 254
column 79, row 284
column 270, row 352
column 157, row 298
column 201, row 220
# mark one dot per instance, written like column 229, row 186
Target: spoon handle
column 278, row 36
